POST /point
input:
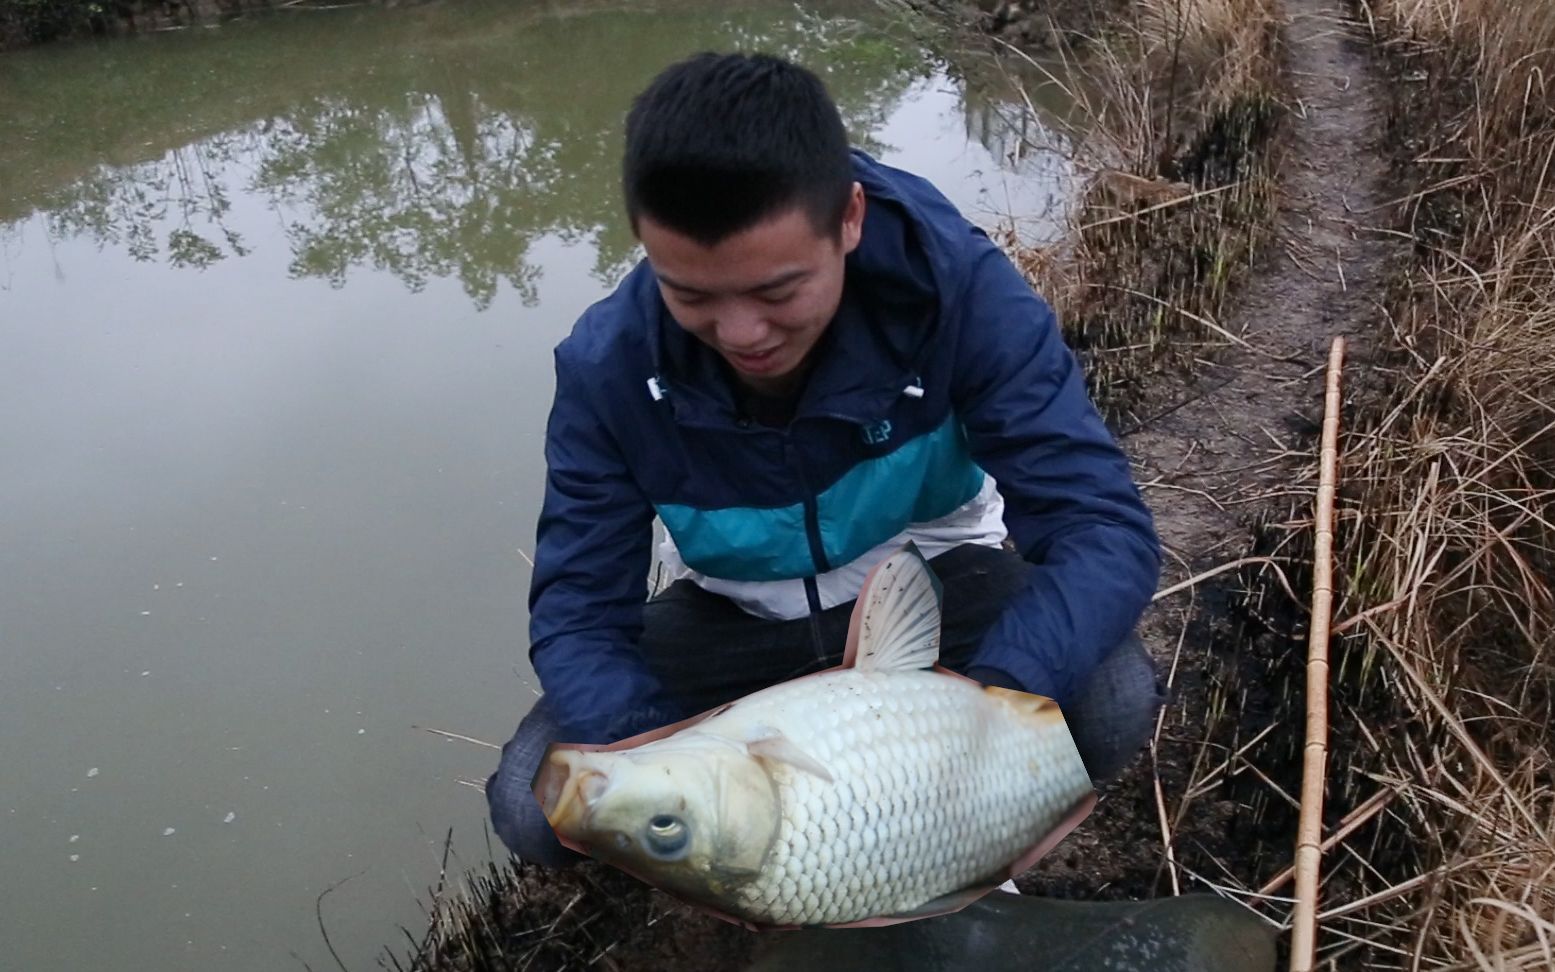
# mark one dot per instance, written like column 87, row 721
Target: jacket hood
column 889, row 313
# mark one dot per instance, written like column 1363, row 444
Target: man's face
column 762, row 297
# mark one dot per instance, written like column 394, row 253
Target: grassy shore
column 1440, row 813
column 1442, row 771
column 24, row 22
column 1448, row 538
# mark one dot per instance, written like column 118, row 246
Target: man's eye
column 781, row 297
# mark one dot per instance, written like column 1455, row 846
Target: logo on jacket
column 877, row 433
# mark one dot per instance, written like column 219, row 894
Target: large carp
column 884, row 789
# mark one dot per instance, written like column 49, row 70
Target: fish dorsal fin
column 896, row 622
column 770, row 744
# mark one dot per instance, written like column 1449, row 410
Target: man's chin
column 773, row 376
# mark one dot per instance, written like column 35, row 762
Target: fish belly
column 935, row 786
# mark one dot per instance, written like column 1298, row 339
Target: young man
column 819, row 360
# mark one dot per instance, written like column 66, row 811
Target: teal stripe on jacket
column 741, row 543
column 924, row 479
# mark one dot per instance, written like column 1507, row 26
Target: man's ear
column 853, row 219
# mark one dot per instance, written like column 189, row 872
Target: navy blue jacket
column 940, row 364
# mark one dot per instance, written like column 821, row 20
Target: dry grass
column 588, row 917
column 1445, row 667
column 1455, row 514
column 1177, row 111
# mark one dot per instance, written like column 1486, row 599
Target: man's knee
column 1114, row 714
column 515, row 814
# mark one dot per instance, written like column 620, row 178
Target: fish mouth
column 567, row 790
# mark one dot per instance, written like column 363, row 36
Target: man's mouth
column 757, row 361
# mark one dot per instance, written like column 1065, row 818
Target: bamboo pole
column 1309, row 831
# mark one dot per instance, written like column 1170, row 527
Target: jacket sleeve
column 592, row 553
column 1071, row 504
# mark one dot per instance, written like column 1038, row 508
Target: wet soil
column 1220, row 452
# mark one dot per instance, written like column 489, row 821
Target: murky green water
column 276, row 309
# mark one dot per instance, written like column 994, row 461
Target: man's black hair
column 719, row 142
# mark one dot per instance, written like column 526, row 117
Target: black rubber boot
column 1015, row 933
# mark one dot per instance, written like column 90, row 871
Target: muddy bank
column 1171, row 298
column 1414, row 218
column 586, row 917
column 1445, row 691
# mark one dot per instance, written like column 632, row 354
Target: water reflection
column 253, row 528
column 412, row 166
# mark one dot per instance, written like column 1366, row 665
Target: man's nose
column 742, row 328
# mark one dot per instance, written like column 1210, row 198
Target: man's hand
column 636, row 721
column 995, row 677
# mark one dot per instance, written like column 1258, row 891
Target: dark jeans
column 707, row 651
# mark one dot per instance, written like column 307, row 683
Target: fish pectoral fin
column 773, row 746
column 896, row 620
column 728, row 874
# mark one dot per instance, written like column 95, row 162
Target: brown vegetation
column 1448, row 539
column 1441, row 823
column 1440, row 818
column 1179, row 108
column 586, row 917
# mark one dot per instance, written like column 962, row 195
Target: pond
column 277, row 302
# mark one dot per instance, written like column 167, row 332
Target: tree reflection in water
column 430, row 142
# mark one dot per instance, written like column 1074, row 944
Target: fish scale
column 953, row 769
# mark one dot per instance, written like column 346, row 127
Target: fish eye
column 667, row 837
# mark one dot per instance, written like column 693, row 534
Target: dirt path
column 1239, row 435
column 1256, row 404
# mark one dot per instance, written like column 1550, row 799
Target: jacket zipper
column 812, row 524
column 812, row 516
column 812, row 593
